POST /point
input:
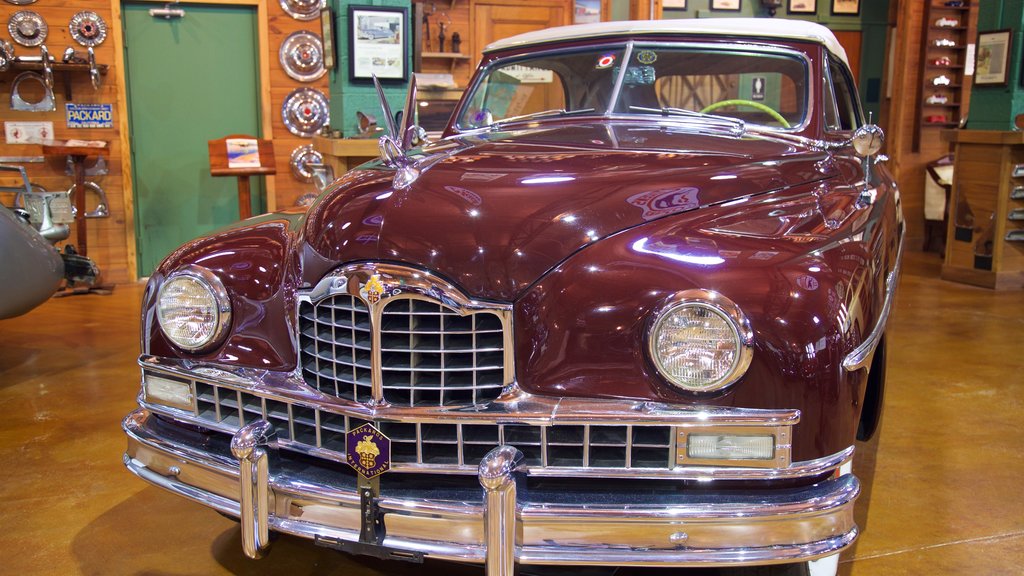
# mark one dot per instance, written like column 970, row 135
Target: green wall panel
column 349, row 97
column 994, row 107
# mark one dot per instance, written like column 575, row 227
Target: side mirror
column 868, row 140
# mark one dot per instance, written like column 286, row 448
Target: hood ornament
column 398, row 141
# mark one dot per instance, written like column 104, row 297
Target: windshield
column 699, row 83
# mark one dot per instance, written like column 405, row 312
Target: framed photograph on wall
column 992, row 60
column 845, row 7
column 673, row 4
column 726, row 5
column 378, row 43
column 802, row 7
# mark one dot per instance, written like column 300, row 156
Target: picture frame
column 802, row 6
column 992, row 58
column 673, row 4
column 845, row 7
column 378, row 43
column 726, row 5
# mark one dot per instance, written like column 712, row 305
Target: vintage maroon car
column 630, row 309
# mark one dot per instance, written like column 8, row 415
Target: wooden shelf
column 953, row 109
column 64, row 69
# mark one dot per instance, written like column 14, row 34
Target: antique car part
column 94, row 70
column 88, row 28
column 101, row 210
column 301, row 159
column 302, row 9
column 97, row 168
column 49, row 212
column 31, row 269
column 47, row 61
column 6, row 55
column 305, row 111
column 549, row 337
column 78, row 270
column 302, row 56
column 45, row 104
column 21, row 2
column 27, row 28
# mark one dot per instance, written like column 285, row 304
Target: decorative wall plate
column 88, row 28
column 27, row 28
column 302, row 157
column 302, row 56
column 305, row 112
column 302, row 9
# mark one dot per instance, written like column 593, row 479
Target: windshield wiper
column 738, row 126
column 542, row 114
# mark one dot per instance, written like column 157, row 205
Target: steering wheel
column 750, row 103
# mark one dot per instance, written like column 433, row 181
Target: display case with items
column 942, row 98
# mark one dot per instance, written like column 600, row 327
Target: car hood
column 495, row 211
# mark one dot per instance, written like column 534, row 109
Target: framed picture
column 992, row 63
column 673, row 4
column 845, row 7
column 802, row 7
column 726, row 5
column 378, row 43
column 586, row 11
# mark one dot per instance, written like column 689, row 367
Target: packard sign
column 368, row 451
column 89, row 115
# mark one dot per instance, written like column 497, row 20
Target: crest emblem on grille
column 373, row 289
column 368, row 451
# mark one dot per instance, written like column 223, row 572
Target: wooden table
column 343, row 154
column 78, row 151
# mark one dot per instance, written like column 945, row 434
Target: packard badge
column 373, row 289
column 368, row 451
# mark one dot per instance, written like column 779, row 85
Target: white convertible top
column 743, row 27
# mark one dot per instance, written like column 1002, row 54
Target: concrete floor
column 944, row 490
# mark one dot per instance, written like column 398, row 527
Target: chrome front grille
column 431, row 355
column 414, row 343
column 451, row 446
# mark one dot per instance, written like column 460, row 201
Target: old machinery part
column 45, row 104
column 27, row 28
column 305, row 112
column 88, row 28
column 49, row 212
column 102, row 209
column 98, row 167
column 302, row 9
column 301, row 159
column 94, row 70
column 6, row 55
column 47, row 61
column 79, row 269
column 302, row 56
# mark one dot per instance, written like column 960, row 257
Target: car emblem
column 647, row 57
column 368, row 451
column 373, row 289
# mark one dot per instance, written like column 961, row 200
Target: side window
column 847, row 103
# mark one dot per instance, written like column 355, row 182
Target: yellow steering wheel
column 750, row 103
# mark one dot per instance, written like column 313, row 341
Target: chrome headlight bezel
column 742, row 335
column 222, row 301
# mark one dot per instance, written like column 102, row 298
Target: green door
column 190, row 80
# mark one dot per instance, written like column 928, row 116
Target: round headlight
column 193, row 308
column 700, row 342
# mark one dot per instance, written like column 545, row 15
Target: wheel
column 750, row 104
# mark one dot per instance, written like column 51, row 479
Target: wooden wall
column 280, row 25
column 108, row 238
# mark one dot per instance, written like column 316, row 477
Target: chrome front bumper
column 500, row 523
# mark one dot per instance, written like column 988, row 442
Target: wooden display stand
column 78, row 151
column 985, row 235
column 343, row 154
column 219, row 166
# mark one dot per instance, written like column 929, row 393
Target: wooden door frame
column 266, row 126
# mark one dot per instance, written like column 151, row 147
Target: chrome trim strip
column 789, row 526
column 861, row 356
column 496, row 476
column 249, row 446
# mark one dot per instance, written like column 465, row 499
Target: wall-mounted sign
column 28, row 132
column 89, row 115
